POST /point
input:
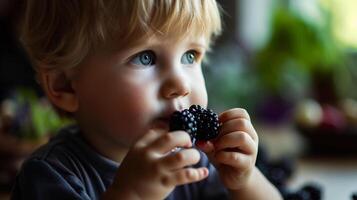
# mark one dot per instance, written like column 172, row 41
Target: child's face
column 125, row 93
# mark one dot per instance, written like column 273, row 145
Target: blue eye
column 145, row 58
column 189, row 57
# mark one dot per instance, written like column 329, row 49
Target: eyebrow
column 202, row 45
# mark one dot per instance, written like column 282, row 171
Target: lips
column 162, row 121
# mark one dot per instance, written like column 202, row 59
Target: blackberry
column 300, row 195
column 207, row 123
column 310, row 191
column 280, row 171
column 354, row 196
column 185, row 121
column 200, row 123
column 314, row 190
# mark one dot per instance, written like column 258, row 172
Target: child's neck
column 105, row 147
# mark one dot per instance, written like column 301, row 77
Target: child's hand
column 151, row 171
column 234, row 151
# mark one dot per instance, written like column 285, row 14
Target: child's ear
column 59, row 89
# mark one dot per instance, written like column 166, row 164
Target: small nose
column 175, row 84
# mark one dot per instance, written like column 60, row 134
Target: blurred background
column 291, row 63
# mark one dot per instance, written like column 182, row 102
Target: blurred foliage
column 297, row 49
column 346, row 79
column 344, row 17
column 299, row 52
column 229, row 83
column 29, row 116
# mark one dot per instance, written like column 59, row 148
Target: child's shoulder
column 66, row 167
column 66, row 153
column 69, row 150
column 58, row 145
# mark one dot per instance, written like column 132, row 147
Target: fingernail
column 205, row 172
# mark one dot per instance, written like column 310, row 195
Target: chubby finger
column 239, row 124
column 206, row 146
column 185, row 176
column 169, row 141
column 149, row 137
column 236, row 140
column 181, row 159
column 232, row 114
column 234, row 159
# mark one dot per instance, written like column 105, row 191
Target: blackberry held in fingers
column 185, row 121
column 200, row 123
column 207, row 124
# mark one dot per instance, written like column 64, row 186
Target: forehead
column 159, row 40
column 177, row 41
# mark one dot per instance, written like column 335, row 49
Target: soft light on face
column 125, row 93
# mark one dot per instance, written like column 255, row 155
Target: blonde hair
column 60, row 34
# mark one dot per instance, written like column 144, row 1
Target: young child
column 120, row 69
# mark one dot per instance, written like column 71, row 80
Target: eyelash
column 138, row 57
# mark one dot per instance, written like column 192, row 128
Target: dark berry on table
column 277, row 176
column 280, row 171
column 313, row 190
column 207, row 123
column 185, row 121
column 293, row 196
column 354, row 196
column 309, row 191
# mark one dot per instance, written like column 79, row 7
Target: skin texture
column 123, row 107
column 137, row 98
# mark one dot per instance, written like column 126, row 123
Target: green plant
column 296, row 51
column 30, row 116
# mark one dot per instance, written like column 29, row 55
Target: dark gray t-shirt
column 68, row 168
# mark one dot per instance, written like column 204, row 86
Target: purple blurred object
column 274, row 109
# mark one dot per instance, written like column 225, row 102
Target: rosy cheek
column 134, row 104
column 199, row 93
